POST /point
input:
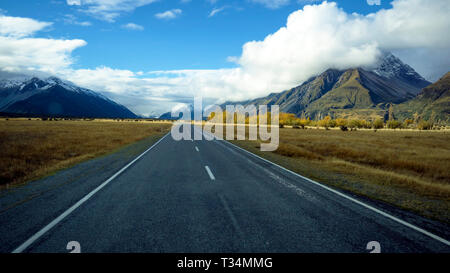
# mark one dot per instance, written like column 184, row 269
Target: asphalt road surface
column 200, row 196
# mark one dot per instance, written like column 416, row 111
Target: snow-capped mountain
column 360, row 92
column 391, row 67
column 51, row 96
column 181, row 107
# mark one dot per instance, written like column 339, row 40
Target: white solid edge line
column 416, row 228
column 210, row 173
column 53, row 223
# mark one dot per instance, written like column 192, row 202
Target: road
column 200, row 196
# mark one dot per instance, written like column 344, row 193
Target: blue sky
column 151, row 55
column 193, row 40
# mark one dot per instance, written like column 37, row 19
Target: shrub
column 378, row 124
column 326, row 122
column 287, row 118
column 408, row 122
column 365, row 124
column 354, row 123
column 323, row 123
column 296, row 123
column 304, row 122
column 332, row 123
column 394, row 124
column 424, row 125
column 341, row 122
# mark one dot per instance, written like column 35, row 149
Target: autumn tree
column 378, row 124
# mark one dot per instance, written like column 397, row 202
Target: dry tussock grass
column 410, row 169
column 419, row 155
column 33, row 148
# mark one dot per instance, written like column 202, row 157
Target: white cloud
column 324, row 36
column 20, row 52
column 374, row 2
column 216, row 11
column 233, row 59
column 73, row 2
column 169, row 14
column 108, row 10
column 84, row 23
column 133, row 26
column 19, row 26
column 95, row 78
column 411, row 24
column 272, row 4
column 47, row 55
column 71, row 19
column 151, row 95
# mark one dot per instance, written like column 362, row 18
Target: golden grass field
column 409, row 169
column 30, row 149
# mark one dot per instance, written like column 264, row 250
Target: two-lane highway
column 207, row 196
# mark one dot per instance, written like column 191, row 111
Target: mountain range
column 189, row 107
column 51, row 96
column 365, row 93
column 356, row 93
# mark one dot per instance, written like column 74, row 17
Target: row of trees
column 345, row 124
column 287, row 119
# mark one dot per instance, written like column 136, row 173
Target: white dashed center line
column 210, row 173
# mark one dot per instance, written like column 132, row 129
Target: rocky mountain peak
column 390, row 66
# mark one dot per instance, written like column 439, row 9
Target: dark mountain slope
column 55, row 97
